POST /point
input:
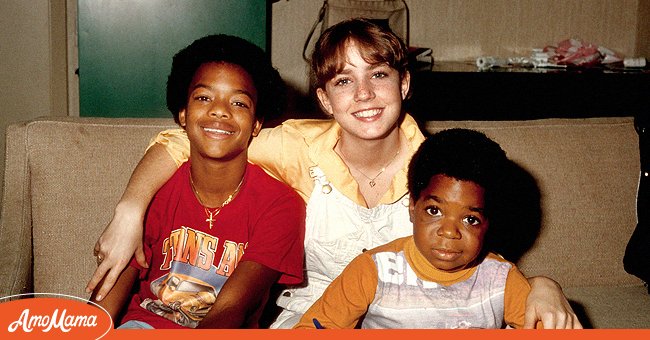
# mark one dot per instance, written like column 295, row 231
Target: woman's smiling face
column 365, row 99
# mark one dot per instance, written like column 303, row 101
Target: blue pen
column 317, row 324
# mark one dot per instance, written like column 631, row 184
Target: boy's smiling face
column 449, row 222
column 220, row 113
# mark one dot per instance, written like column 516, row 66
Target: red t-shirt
column 189, row 262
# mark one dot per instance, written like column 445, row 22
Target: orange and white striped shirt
column 394, row 286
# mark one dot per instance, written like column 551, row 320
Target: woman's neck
column 373, row 164
column 369, row 155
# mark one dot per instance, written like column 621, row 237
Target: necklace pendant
column 212, row 214
column 210, row 220
column 372, row 183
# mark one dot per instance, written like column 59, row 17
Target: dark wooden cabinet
column 457, row 91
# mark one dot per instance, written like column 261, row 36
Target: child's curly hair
column 271, row 90
column 465, row 155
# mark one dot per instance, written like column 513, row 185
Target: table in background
column 459, row 91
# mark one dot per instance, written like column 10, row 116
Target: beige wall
column 466, row 29
column 32, row 62
column 514, row 27
column 33, row 37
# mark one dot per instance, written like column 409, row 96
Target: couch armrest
column 15, row 225
column 63, row 177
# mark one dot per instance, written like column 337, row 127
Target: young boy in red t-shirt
column 221, row 231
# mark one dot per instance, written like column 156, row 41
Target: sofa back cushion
column 587, row 171
column 79, row 169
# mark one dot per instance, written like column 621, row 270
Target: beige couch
column 64, row 176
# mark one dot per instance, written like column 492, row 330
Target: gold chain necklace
column 212, row 214
column 372, row 181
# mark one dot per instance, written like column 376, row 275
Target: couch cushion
column 79, row 170
column 611, row 306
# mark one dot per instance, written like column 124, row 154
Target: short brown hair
column 376, row 43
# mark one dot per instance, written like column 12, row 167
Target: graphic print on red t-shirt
column 186, row 293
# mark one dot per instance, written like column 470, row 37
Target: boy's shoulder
column 495, row 263
column 394, row 246
column 178, row 179
column 497, row 258
column 257, row 176
column 266, row 187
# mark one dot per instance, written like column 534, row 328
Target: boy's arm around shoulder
column 347, row 298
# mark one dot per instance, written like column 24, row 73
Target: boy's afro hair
column 271, row 90
column 462, row 154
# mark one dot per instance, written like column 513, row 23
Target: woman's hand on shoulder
column 547, row 303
